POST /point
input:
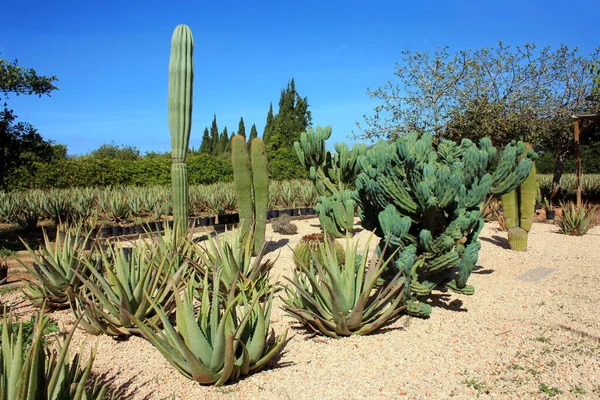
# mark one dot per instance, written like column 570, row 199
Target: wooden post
column 578, row 171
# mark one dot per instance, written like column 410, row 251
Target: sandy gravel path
column 512, row 340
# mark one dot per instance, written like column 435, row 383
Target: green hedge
column 590, row 160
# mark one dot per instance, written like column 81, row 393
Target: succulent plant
column 181, row 85
column 518, row 209
column 426, row 200
column 308, row 247
column 40, row 373
column 573, row 220
column 342, row 298
column 336, row 212
column 231, row 255
column 57, row 268
column 119, row 286
column 225, row 339
column 251, row 184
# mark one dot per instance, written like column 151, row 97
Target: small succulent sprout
column 337, row 298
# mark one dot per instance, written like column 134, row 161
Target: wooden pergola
column 576, row 136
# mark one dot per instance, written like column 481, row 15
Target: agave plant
column 575, row 220
column 28, row 207
column 40, row 373
column 107, row 301
column 342, row 298
column 225, row 339
column 59, row 205
column 57, row 268
column 8, row 207
column 115, row 206
column 231, row 254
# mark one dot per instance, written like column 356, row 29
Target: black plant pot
column 3, row 272
column 273, row 214
column 104, row 232
column 127, row 253
column 203, row 221
column 211, row 221
column 115, row 230
column 170, row 223
column 550, row 214
column 139, row 229
column 311, row 211
column 288, row 212
column 235, row 218
column 295, row 212
column 538, row 207
column 159, row 226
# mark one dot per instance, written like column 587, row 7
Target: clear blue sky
column 111, row 58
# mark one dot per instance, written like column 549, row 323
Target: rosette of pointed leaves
column 121, row 285
column 341, row 298
column 425, row 199
column 231, row 254
column 225, row 339
column 40, row 373
column 57, row 267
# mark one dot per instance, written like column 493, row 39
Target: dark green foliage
column 426, row 201
column 590, row 161
column 253, row 134
column 206, row 145
column 214, row 137
column 268, row 125
column 284, row 165
column 28, row 327
column 114, row 151
column 242, row 128
column 223, row 141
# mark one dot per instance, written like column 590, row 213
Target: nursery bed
column 512, row 339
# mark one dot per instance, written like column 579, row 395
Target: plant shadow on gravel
column 276, row 245
column 125, row 390
column 498, row 241
column 441, row 300
column 482, row 271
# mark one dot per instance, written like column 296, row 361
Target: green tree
column 253, row 134
column 501, row 92
column 205, row 146
column 268, row 125
column 241, row 128
column 20, row 143
column 214, row 137
column 292, row 119
column 223, row 141
column 113, row 151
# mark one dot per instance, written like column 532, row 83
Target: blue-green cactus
column 425, row 199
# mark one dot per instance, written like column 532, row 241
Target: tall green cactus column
column 181, row 82
column 242, row 183
column 260, row 184
column 518, row 209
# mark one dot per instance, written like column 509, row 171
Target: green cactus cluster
column 181, row 82
column 425, row 200
column 251, row 184
column 518, row 209
column 333, row 175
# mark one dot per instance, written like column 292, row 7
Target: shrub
column 284, row 225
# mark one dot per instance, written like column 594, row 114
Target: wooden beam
column 578, row 172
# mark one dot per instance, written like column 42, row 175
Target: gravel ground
column 511, row 340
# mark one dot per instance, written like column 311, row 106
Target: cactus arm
column 242, row 183
column 260, row 182
column 181, row 79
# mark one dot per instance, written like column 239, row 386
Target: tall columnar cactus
column 333, row 176
column 519, row 207
column 426, row 200
column 251, row 183
column 181, row 80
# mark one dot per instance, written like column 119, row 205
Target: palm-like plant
column 225, row 339
column 57, row 269
column 231, row 255
column 341, row 298
column 40, row 373
column 107, row 301
column 575, row 220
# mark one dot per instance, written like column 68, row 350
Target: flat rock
column 536, row 274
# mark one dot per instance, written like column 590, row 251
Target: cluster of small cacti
column 426, row 201
column 518, row 208
column 251, row 183
column 333, row 176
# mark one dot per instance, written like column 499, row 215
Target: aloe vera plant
column 40, row 373
column 225, row 339
column 342, row 298
column 231, row 255
column 575, row 220
column 57, row 268
column 120, row 285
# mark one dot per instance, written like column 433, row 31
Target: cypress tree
column 241, row 128
column 292, row 119
column 268, row 126
column 223, row 140
column 253, row 134
column 205, row 146
column 214, row 137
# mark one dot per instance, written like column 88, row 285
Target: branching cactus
column 181, row 80
column 333, row 176
column 426, row 200
column 518, row 207
column 251, row 184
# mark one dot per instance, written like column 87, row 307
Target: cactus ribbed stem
column 260, row 183
column 242, row 181
column 181, row 80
